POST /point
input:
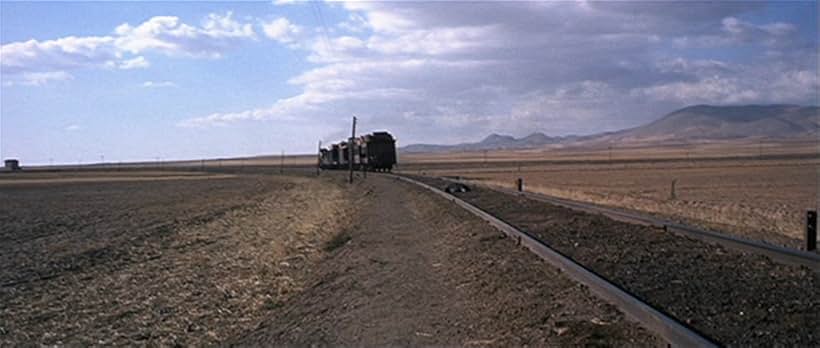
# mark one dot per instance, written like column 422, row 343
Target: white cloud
column 715, row 89
column 282, row 30
column 167, row 35
column 135, row 63
column 158, row 84
column 60, row 54
column 440, row 70
column 280, row 111
column 286, row 2
column 355, row 23
column 736, row 32
column 36, row 78
column 436, row 41
column 42, row 61
column 73, row 128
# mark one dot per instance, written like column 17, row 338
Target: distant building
column 12, row 165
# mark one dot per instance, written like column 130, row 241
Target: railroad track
column 777, row 253
column 672, row 330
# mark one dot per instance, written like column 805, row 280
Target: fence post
column 672, row 194
column 520, row 184
column 811, row 230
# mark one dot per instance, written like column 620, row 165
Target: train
column 374, row 152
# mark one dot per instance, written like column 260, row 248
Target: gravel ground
column 737, row 298
column 417, row 270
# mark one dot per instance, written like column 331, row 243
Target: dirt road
column 414, row 269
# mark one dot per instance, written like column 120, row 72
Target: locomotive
column 371, row 152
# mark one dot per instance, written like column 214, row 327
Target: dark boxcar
column 381, row 151
column 376, row 152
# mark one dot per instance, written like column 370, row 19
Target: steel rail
column 672, row 330
column 775, row 252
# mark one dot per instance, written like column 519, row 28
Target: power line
column 315, row 8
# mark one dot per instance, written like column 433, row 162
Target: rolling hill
column 491, row 142
column 705, row 122
column 690, row 124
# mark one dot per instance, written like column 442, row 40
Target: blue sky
column 182, row 80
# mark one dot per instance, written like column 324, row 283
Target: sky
column 83, row 82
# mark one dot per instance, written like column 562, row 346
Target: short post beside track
column 811, row 230
column 520, row 184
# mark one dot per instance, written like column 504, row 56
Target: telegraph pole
column 282, row 163
column 319, row 159
column 350, row 149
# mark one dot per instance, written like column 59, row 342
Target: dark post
column 282, row 163
column 811, row 230
column 350, row 149
column 520, row 184
column 319, row 159
column 672, row 194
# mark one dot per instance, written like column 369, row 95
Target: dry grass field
column 758, row 197
column 619, row 152
column 171, row 258
column 177, row 258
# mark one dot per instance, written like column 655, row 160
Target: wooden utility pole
column 811, row 230
column 350, row 149
column 319, row 159
column 282, row 163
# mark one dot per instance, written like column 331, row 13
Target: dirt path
column 416, row 270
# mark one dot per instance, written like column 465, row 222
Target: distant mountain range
column 690, row 124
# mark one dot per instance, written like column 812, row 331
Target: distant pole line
column 282, row 163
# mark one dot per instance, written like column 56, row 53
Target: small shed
column 12, row 165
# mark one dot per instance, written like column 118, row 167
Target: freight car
column 371, row 152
